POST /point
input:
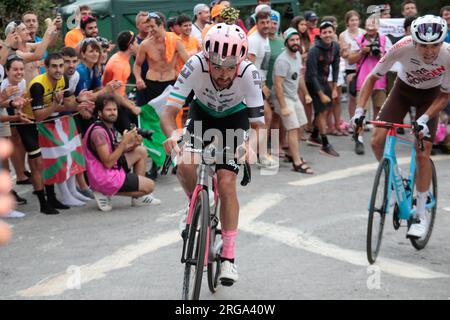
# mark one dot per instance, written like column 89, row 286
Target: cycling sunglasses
column 226, row 62
column 429, row 31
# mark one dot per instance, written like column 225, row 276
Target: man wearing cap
column 261, row 4
column 216, row 18
column 286, row 79
column 201, row 14
column 311, row 22
column 323, row 55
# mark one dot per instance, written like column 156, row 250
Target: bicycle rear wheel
column 196, row 248
column 377, row 210
column 419, row 244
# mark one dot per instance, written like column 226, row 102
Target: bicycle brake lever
column 417, row 128
column 359, row 124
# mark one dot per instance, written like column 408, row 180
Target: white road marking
column 353, row 171
column 126, row 256
column 301, row 240
column 122, row 258
column 446, row 209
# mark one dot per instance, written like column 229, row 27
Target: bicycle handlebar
column 246, row 179
column 383, row 124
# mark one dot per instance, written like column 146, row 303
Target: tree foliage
column 14, row 9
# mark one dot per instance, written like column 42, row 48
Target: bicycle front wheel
column 377, row 210
column 419, row 244
column 196, row 248
column 214, row 252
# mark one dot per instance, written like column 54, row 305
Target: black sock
column 50, row 192
column 41, row 196
column 226, row 259
column 324, row 139
column 315, row 133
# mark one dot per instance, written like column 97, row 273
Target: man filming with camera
column 372, row 47
column 116, row 167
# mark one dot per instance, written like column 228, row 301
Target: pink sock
column 228, row 237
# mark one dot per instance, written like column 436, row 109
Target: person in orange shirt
column 190, row 43
column 118, row 67
column 74, row 36
column 192, row 47
column 311, row 21
column 216, row 18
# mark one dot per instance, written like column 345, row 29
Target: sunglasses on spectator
column 132, row 39
column 13, row 57
column 84, row 18
column 88, row 40
column 155, row 16
column 104, row 43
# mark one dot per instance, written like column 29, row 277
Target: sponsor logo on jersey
column 423, row 75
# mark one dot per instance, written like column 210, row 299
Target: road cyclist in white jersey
column 228, row 98
column 423, row 82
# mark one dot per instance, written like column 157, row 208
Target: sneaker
column 19, row 199
column 418, row 229
column 23, row 182
column 316, row 142
column 147, row 200
column 359, row 148
column 58, row 205
column 103, row 202
column 49, row 209
column 87, row 193
column 228, row 273
column 328, row 151
column 267, row 163
column 15, row 214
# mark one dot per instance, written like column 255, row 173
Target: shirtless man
column 160, row 49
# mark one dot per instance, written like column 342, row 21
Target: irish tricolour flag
column 61, row 150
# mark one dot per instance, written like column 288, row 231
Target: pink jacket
column 102, row 179
column 369, row 64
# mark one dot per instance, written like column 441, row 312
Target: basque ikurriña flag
column 61, row 150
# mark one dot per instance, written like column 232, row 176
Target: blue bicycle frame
column 403, row 195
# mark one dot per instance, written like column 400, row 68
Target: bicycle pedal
column 226, row 282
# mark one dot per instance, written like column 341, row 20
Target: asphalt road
column 301, row 237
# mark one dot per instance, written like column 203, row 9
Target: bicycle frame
column 403, row 196
column 404, row 199
column 204, row 172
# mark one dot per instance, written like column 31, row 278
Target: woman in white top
column 12, row 90
column 348, row 44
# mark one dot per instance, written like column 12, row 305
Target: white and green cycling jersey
column 244, row 92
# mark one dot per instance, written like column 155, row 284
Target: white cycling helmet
column 429, row 29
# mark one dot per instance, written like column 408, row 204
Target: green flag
column 149, row 119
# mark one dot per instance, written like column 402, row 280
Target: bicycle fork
column 185, row 233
